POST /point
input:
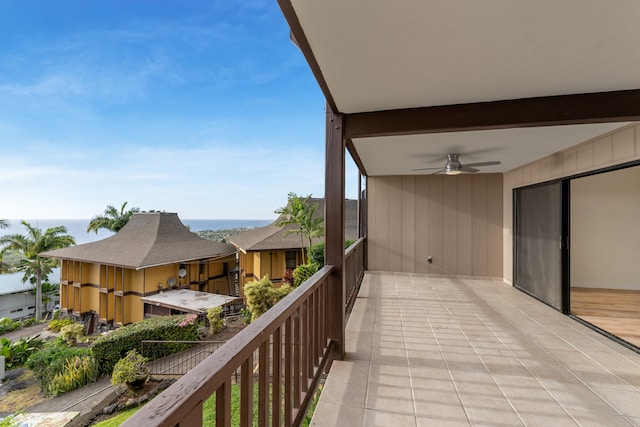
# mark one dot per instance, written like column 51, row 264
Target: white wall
column 605, row 230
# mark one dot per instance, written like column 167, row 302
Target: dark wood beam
column 356, row 158
column 601, row 107
column 300, row 39
column 334, row 218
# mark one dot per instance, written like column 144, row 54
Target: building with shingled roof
column 271, row 250
column 106, row 281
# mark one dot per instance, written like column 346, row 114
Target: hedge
column 110, row 348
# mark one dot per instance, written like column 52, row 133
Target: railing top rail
column 175, row 403
column 354, row 246
column 182, row 341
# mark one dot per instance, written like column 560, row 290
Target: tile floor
column 424, row 351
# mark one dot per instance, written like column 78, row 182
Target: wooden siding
column 457, row 220
column 614, row 148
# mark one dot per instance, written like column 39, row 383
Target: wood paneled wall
column 611, row 149
column 457, row 220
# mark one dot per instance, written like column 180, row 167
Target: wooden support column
column 334, row 228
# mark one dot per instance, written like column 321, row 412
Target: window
column 291, row 258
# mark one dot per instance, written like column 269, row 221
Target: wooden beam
column 334, row 206
column 601, row 107
column 298, row 37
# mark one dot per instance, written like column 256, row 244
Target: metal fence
column 168, row 362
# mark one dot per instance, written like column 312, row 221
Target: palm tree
column 300, row 213
column 30, row 246
column 3, row 223
column 112, row 220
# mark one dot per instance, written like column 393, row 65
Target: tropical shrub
column 56, row 324
column 8, row 325
column 260, row 296
column 72, row 333
column 216, row 323
column 303, row 272
column 77, row 371
column 112, row 347
column 287, row 277
column 246, row 315
column 130, row 368
column 16, row 353
column 316, row 253
column 51, row 360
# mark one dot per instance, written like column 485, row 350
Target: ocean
column 78, row 229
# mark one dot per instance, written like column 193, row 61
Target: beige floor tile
column 332, row 415
column 376, row 418
column 437, row 352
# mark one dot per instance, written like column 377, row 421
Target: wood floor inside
column 612, row 310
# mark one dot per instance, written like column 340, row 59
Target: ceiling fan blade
column 426, row 169
column 466, row 168
column 436, row 173
column 481, row 164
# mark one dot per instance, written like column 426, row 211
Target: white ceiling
column 379, row 55
column 399, row 155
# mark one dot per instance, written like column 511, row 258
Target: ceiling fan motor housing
column 453, row 164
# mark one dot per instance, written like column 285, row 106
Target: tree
column 29, row 246
column 112, row 220
column 300, row 213
column 3, row 223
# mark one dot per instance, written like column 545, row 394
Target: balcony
column 435, row 351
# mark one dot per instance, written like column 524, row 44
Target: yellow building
column 271, row 250
column 104, row 282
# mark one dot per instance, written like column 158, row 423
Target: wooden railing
column 353, row 271
column 291, row 340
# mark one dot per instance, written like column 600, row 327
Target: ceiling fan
column 454, row 167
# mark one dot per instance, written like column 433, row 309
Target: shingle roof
column 148, row 239
column 272, row 237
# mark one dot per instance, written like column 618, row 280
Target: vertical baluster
column 309, row 341
column 304, row 332
column 263, row 385
column 276, row 393
column 296, row 358
column 246, row 392
column 288, row 348
column 318, row 322
column 223, row 406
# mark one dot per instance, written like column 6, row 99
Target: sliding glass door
column 540, row 253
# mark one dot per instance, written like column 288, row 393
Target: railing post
column 334, row 228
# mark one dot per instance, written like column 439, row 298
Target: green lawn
column 209, row 410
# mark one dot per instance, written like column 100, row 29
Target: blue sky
column 204, row 108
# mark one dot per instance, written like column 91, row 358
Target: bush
column 303, row 272
column 216, row 323
column 261, row 296
column 77, row 371
column 16, row 353
column 316, row 253
column 72, row 333
column 50, row 361
column 57, row 324
column 288, row 276
column 8, row 325
column 130, row 368
column 112, row 347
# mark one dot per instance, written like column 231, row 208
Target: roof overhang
column 426, row 78
column 188, row 301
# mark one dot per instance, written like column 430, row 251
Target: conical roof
column 148, row 239
column 271, row 237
